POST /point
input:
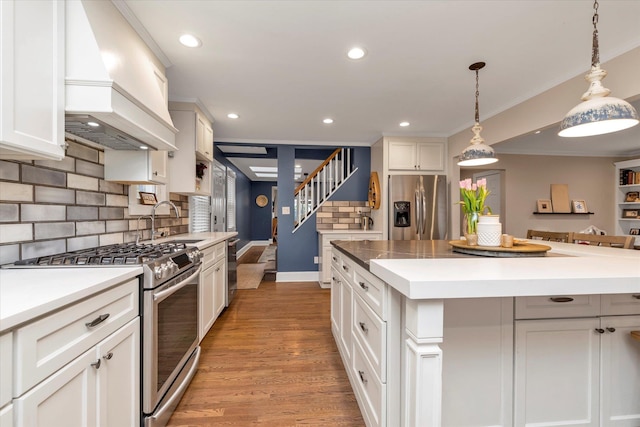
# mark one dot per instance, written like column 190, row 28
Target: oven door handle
column 177, row 287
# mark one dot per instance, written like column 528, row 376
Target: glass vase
column 470, row 228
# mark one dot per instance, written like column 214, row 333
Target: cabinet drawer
column 620, row 304
column 46, row 345
column 372, row 290
column 347, row 269
column 371, row 331
column 336, row 260
column 6, row 367
column 220, row 250
column 557, row 306
column 371, row 392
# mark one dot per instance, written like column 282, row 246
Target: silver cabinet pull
column 108, row 356
column 96, row 364
column 611, row 329
column 561, row 299
column 364, row 328
column 345, row 268
column 636, row 296
column 362, row 378
column 334, row 258
column 95, row 322
column 363, row 286
column 600, row 330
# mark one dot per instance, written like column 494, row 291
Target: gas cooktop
column 118, row 254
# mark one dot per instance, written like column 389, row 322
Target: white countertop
column 587, row 270
column 354, row 231
column 204, row 239
column 26, row 294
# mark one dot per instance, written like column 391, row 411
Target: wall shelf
column 563, row 213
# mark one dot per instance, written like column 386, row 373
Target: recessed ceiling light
column 266, row 175
column 537, row 132
column 189, row 40
column 404, row 124
column 271, row 169
column 93, row 124
column 356, row 53
column 327, row 121
column 233, row 116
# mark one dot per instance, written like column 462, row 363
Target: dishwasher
column 232, row 271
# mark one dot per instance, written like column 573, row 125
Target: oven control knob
column 172, row 267
column 198, row 255
column 157, row 271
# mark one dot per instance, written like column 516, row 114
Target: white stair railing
column 321, row 184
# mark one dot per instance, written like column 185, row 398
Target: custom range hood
column 115, row 87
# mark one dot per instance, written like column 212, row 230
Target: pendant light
column 478, row 153
column 599, row 113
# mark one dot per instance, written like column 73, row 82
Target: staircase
column 321, row 184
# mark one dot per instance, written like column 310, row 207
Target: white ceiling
column 281, row 65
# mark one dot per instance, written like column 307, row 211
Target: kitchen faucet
column 153, row 216
column 138, row 232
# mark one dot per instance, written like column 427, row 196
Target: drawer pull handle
column 363, row 286
column 364, row 328
column 561, row 299
column 108, row 356
column 362, row 378
column 95, row 322
column 217, row 269
column 636, row 296
column 334, row 258
column 345, row 268
column 600, row 330
column 611, row 329
column 96, row 364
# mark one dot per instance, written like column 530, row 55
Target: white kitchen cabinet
column 101, row 387
column 325, row 247
column 365, row 320
column 578, row 370
column 624, row 224
column 32, row 84
column 6, row 416
column 6, row 374
column 136, row 167
column 195, row 146
column 416, row 156
column 213, row 286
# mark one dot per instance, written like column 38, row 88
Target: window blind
column 199, row 214
column 231, row 200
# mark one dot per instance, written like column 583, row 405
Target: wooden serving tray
column 636, row 335
column 519, row 249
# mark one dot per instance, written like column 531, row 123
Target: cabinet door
column 32, row 84
column 208, row 137
column 556, row 372
column 158, row 166
column 402, row 155
column 6, row 416
column 620, row 375
column 346, row 317
column 204, row 146
column 205, row 304
column 219, row 286
column 336, row 294
column 69, row 394
column 430, row 156
column 119, row 377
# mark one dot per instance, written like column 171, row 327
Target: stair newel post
column 348, row 162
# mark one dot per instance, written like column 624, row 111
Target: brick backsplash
column 49, row 206
column 341, row 215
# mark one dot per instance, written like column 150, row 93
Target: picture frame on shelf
column 632, row 196
column 544, row 206
column 148, row 198
column 579, row 206
column 634, row 231
column 631, row 213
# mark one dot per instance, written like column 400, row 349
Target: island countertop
column 431, row 270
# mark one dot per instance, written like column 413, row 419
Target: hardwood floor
column 270, row 360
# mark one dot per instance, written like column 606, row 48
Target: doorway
column 218, row 197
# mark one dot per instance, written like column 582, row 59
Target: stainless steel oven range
column 169, row 312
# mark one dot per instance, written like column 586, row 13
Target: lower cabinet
column 325, row 248
column 578, row 370
column 213, row 286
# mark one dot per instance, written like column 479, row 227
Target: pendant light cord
column 477, row 95
column 595, row 51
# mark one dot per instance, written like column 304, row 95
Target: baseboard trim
column 251, row 244
column 297, row 276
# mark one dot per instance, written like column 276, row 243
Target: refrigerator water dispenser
column 402, row 214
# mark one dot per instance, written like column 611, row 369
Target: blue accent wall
column 261, row 217
column 296, row 251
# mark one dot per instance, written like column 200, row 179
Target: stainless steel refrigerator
column 418, row 207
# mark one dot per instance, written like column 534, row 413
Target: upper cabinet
column 414, row 155
column 136, row 167
column 32, row 84
column 190, row 166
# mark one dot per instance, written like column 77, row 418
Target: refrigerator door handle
column 418, row 219
column 424, row 212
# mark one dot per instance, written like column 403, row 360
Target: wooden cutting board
column 523, row 249
column 636, row 335
column 560, row 198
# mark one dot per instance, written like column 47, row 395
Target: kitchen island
column 469, row 340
